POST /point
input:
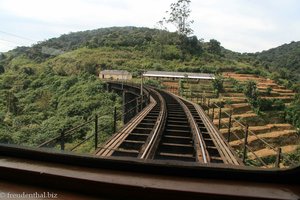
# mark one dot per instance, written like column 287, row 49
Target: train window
column 127, row 80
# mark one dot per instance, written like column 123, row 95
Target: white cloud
column 85, row 12
column 245, row 26
column 241, row 25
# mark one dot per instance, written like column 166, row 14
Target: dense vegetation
column 37, row 107
column 281, row 64
column 127, row 47
column 258, row 103
column 52, row 85
column 284, row 60
column 293, row 113
column 290, row 113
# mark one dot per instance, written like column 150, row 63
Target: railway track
column 170, row 128
column 177, row 139
column 211, row 149
column 141, row 131
column 218, row 148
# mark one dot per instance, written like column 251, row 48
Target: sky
column 240, row 25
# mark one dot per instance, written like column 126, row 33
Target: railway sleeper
column 202, row 128
column 156, row 112
column 142, row 130
column 177, row 118
column 177, row 114
column 177, row 148
column 172, row 102
column 177, row 127
column 209, row 142
column 200, row 123
column 206, row 135
column 175, row 132
column 177, row 139
column 145, row 125
column 175, row 111
column 151, row 116
column 125, row 153
column 148, row 120
column 194, row 113
column 131, row 144
column 212, row 150
column 173, row 156
column 137, row 137
column 215, row 159
column 177, row 122
column 197, row 118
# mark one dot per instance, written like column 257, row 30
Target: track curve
column 169, row 128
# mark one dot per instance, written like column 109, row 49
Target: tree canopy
column 179, row 16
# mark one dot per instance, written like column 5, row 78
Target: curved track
column 136, row 136
column 170, row 128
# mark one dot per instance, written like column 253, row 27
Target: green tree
column 251, row 92
column 214, row 47
column 44, row 100
column 11, row 102
column 293, row 113
column 2, row 70
column 179, row 17
column 269, row 90
column 190, row 45
column 217, row 84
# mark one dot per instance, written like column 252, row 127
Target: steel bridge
column 168, row 128
column 168, row 149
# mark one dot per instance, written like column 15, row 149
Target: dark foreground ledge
column 72, row 176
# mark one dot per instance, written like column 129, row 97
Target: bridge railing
column 67, row 135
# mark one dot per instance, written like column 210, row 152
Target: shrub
column 265, row 104
column 153, row 83
column 278, row 104
column 268, row 90
column 217, row 84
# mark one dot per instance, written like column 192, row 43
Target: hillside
column 285, row 59
column 121, row 47
column 38, row 83
column 135, row 48
column 273, row 120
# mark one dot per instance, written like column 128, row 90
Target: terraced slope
column 171, row 86
column 272, row 128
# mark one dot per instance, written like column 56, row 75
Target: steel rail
column 195, row 129
column 118, row 137
column 157, row 128
column 224, row 148
column 151, row 147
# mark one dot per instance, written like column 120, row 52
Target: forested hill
column 128, row 48
column 135, row 49
column 52, row 86
column 285, row 59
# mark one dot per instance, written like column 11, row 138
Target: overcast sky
column 240, row 25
